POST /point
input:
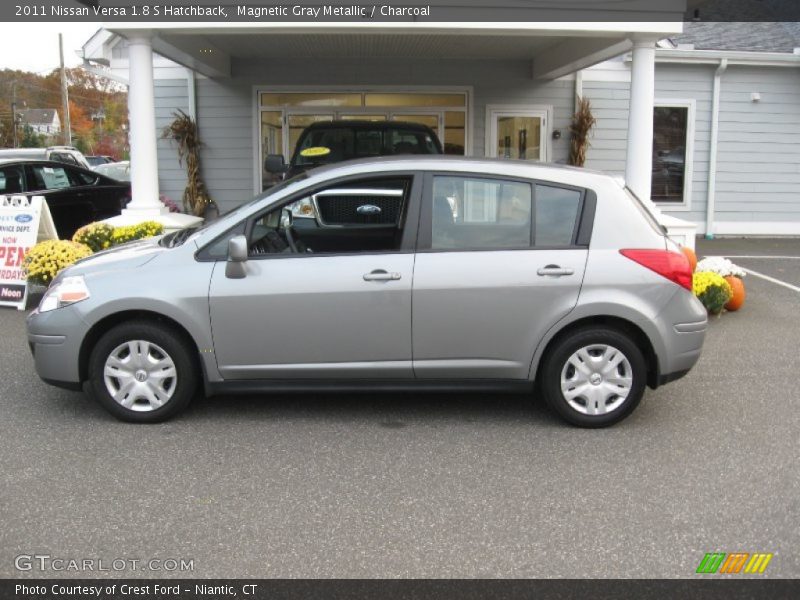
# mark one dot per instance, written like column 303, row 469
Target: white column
column 145, row 204
column 639, row 162
column 142, row 115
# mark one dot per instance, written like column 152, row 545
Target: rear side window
column 557, row 211
column 480, row 214
column 79, row 178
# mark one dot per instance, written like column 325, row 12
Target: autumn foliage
column 98, row 109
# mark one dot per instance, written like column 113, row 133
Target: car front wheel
column 142, row 373
column 593, row 377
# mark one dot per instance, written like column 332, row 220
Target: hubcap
column 140, row 375
column 596, row 379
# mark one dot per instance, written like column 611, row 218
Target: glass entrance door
column 518, row 135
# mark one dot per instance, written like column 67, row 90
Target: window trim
column 410, row 228
column 688, row 174
column 584, row 220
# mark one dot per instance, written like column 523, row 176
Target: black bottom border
column 400, row 589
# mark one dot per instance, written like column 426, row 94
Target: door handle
column 554, row 271
column 381, row 275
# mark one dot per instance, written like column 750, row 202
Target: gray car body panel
column 451, row 315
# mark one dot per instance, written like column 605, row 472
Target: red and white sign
column 23, row 222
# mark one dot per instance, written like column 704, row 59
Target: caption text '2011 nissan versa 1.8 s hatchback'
column 397, row 273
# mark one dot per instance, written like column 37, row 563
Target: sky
column 34, row 46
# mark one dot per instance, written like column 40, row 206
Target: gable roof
column 43, row 116
column 759, row 26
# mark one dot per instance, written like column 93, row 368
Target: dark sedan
column 75, row 196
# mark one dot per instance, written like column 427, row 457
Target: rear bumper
column 682, row 330
column 684, row 346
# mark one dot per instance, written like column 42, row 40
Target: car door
column 106, row 197
column 499, row 261
column 320, row 315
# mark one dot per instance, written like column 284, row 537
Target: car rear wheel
column 593, row 377
column 142, row 373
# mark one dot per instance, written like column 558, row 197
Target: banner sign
column 179, row 12
column 23, row 222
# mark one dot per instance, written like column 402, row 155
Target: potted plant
column 732, row 274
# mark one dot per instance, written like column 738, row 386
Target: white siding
column 171, row 95
column 758, row 164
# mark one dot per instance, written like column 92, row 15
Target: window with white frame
column 673, row 140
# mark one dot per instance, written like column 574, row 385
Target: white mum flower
column 721, row 266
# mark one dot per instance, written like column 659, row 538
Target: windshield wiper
column 178, row 237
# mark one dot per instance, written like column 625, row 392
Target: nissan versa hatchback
column 430, row 273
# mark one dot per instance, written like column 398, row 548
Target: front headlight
column 65, row 292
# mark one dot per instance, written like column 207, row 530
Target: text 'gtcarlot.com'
column 45, row 562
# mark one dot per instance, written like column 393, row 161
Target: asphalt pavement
column 412, row 485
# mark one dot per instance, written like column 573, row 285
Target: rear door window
column 472, row 213
column 46, row 177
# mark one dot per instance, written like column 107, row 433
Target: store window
column 672, row 125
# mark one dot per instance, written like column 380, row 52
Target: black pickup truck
column 335, row 141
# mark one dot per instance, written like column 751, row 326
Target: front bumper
column 55, row 340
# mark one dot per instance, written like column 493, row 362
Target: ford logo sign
column 23, row 218
column 368, row 209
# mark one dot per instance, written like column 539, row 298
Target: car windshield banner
column 20, row 217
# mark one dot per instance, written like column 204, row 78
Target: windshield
column 336, row 144
column 179, row 237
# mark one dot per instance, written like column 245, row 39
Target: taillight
column 671, row 265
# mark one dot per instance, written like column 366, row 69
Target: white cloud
column 34, row 46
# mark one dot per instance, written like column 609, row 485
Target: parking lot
column 437, row 486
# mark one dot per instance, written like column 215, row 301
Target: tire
column 593, row 377
column 149, row 366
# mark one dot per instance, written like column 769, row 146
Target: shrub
column 47, row 259
column 97, row 236
column 712, row 290
column 129, row 233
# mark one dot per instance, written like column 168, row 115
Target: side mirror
column 274, row 163
column 237, row 257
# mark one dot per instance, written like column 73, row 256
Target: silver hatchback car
column 432, row 273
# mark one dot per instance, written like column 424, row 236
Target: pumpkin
column 737, row 287
column 689, row 253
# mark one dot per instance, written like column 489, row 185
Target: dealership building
column 702, row 118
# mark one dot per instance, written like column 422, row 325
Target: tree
column 31, row 139
column 83, row 134
column 90, row 95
